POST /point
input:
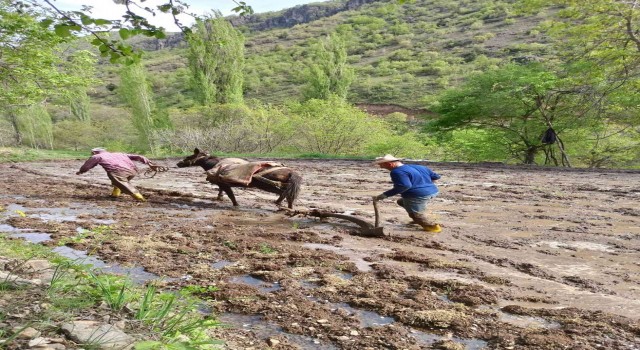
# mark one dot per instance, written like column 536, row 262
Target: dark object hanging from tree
column 549, row 137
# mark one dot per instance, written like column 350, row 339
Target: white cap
column 98, row 150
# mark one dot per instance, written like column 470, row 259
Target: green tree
column 30, row 66
column 216, row 59
column 36, row 126
column 67, row 24
column 328, row 72
column 517, row 102
column 599, row 43
column 136, row 92
column 332, row 126
column 74, row 134
column 81, row 64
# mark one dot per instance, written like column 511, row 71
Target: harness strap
column 276, row 184
column 260, row 176
column 268, row 170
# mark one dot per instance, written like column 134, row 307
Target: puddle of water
column 345, row 275
column 222, row 263
column 309, row 284
column 521, row 320
column 8, row 228
column 11, row 196
column 577, row 245
column 201, row 200
column 183, row 206
column 256, row 282
column 430, row 339
column 356, row 258
column 57, row 217
column 58, row 214
column 137, row 274
column 367, row 318
column 527, row 321
column 26, row 234
column 263, row 329
column 12, row 208
column 204, row 309
column 445, row 298
column 33, row 237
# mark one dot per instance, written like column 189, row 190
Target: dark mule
column 281, row 180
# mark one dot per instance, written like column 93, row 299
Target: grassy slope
column 402, row 53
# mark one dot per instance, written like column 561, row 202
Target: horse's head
column 197, row 158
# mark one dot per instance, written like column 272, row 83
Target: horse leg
column 220, row 194
column 271, row 186
column 290, row 202
column 227, row 189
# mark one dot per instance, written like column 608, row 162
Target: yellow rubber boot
column 432, row 228
column 139, row 197
column 116, row 192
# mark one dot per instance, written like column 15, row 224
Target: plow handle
column 377, row 212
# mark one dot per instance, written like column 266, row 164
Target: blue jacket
column 411, row 180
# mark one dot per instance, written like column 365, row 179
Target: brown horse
column 280, row 180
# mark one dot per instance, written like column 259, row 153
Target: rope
column 154, row 169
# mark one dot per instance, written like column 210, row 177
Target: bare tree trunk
column 530, row 155
column 565, row 157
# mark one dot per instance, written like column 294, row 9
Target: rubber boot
column 427, row 226
column 435, row 228
column 116, row 192
column 139, row 197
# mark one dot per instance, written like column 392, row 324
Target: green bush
column 74, row 135
column 332, row 127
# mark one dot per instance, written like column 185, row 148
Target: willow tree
column 136, row 92
column 216, row 61
column 81, row 64
column 328, row 72
column 36, row 126
column 30, row 69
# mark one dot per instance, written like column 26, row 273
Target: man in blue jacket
column 414, row 183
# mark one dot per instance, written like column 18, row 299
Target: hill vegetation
column 401, row 53
column 456, row 80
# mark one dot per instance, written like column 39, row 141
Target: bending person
column 415, row 184
column 120, row 170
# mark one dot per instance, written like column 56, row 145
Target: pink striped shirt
column 114, row 162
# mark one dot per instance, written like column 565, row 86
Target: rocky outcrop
column 263, row 21
column 296, row 15
column 173, row 40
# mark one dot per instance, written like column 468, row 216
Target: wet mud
column 529, row 258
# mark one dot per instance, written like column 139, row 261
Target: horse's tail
column 292, row 190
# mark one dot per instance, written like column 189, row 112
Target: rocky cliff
column 297, row 15
column 264, row 21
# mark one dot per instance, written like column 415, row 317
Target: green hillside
column 402, row 53
column 454, row 80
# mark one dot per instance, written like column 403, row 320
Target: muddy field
column 528, row 258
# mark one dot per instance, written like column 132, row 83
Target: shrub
column 332, row 127
column 228, row 129
column 74, row 134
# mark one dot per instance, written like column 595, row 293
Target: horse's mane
column 210, row 161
